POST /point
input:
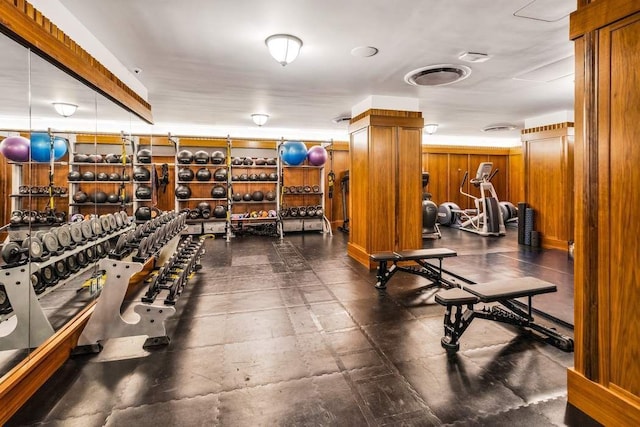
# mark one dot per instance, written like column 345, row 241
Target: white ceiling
column 206, row 66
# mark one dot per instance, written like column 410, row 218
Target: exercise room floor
column 294, row 333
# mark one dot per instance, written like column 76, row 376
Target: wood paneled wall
column 548, row 181
column 446, row 166
column 339, row 163
column 605, row 382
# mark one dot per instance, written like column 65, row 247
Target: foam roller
column 522, row 207
column 528, row 225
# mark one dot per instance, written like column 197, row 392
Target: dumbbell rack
column 27, row 326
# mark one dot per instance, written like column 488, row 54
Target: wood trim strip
column 457, row 149
column 22, row 22
column 19, row 384
column 369, row 120
column 601, row 403
column 598, row 14
column 554, row 126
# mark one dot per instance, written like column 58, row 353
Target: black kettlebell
column 74, row 176
column 80, row 197
column 95, row 158
column 114, row 176
column 273, row 176
column 201, row 157
column 236, row 161
column 185, row 174
column 88, row 176
column 16, row 217
column 257, row 196
column 112, row 158
column 203, row 174
column 143, row 192
column 143, row 213
column 80, row 158
column 253, row 177
column 185, row 157
column 183, row 192
column 272, row 161
column 218, row 191
column 262, row 176
column 220, row 211
column 236, row 197
column 102, row 176
column 217, row 157
column 248, row 161
column 144, row 156
column 220, row 174
column 205, row 209
column 141, row 173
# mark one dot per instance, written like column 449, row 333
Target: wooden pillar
column 548, row 181
column 605, row 382
column 385, row 183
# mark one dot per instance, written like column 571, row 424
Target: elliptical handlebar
column 494, row 173
column 464, row 179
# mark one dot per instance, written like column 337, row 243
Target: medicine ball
column 113, row 198
column 95, row 158
column 100, row 197
column 143, row 192
column 272, row 161
column 261, row 161
column 244, row 177
column 102, row 176
column 273, row 176
column 185, row 157
column 247, row 197
column 112, row 158
column 253, row 177
column 262, row 176
column 220, row 174
column 143, row 213
column 80, row 158
column 185, row 174
column 144, row 156
column 183, row 192
column 218, row 191
column 203, row 174
column 248, row 161
column 236, row 161
column 217, row 157
column 220, row 211
column 80, row 197
column 74, row 176
column 201, row 157
column 257, row 196
column 270, row 196
column 236, row 197
column 140, row 173
column 88, row 176
column 114, row 176
column 204, row 206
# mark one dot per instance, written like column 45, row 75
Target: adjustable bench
column 419, row 256
column 457, row 319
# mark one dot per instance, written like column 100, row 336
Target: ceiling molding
column 25, row 24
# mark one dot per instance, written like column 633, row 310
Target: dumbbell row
column 302, row 211
column 41, row 189
column 149, row 236
column 23, row 217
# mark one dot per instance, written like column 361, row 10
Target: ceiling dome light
column 259, row 119
column 364, row 51
column 431, row 128
column 65, row 109
column 283, row 47
column 437, row 75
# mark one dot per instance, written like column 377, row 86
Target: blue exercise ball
column 293, row 152
column 41, row 147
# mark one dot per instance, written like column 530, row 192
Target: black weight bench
column 419, row 256
column 457, row 319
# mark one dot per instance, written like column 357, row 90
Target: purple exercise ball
column 16, row 148
column 317, row 155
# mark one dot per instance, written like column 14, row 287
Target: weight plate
column 85, row 226
column 142, row 249
column 139, row 232
column 82, row 259
column 64, row 236
column 106, row 245
column 72, row 263
column 38, row 285
column 40, row 233
column 61, row 268
column 75, row 230
column 112, row 221
column 119, row 220
column 131, row 237
column 11, row 253
column 100, row 253
column 91, row 253
column 50, row 242
column 34, row 246
column 125, row 218
column 48, row 275
column 96, row 227
column 105, row 223
column 121, row 243
column 151, row 242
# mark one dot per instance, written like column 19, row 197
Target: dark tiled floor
column 293, row 333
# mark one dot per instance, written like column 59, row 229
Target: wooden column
column 548, row 181
column 385, row 183
column 605, row 382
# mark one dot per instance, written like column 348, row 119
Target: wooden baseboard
column 601, row 403
column 360, row 254
column 19, row 384
column 554, row 244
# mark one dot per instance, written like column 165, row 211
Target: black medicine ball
column 100, row 197
column 270, row 196
column 113, row 198
column 144, row 156
column 236, row 161
column 262, row 176
column 236, row 197
column 80, row 158
column 201, row 157
column 114, row 176
column 185, row 174
column 141, row 173
column 273, row 176
column 247, row 197
column 220, row 174
column 80, row 197
column 217, row 157
column 204, row 206
column 143, row 213
column 257, row 196
column 253, row 177
column 74, row 176
column 248, row 161
column 271, row 161
column 95, row 158
column 220, row 211
column 102, row 176
column 185, row 157
column 244, row 177
column 143, row 192
column 112, row 158
column 261, row 162
column 88, row 176
column 218, row 191
column 183, row 192
column 203, row 174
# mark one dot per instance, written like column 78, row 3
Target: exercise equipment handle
column 494, row 173
column 464, row 179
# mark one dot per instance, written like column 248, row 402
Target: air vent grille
column 437, row 75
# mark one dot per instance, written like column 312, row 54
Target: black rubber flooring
column 294, row 333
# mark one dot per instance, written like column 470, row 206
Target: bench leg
column 456, row 321
column 384, row 274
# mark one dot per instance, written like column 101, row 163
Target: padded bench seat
column 419, row 256
column 496, row 290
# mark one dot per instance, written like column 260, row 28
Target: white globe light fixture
column 431, row 128
column 259, row 119
column 284, row 47
column 65, row 109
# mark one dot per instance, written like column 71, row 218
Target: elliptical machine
column 430, row 228
column 486, row 219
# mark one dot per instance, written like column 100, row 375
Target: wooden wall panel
column 340, row 164
column 381, row 189
column 359, row 186
column 499, row 181
column 515, row 176
column 474, row 161
column 409, row 214
column 458, row 165
column 438, row 168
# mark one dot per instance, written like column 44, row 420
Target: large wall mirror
column 61, row 194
